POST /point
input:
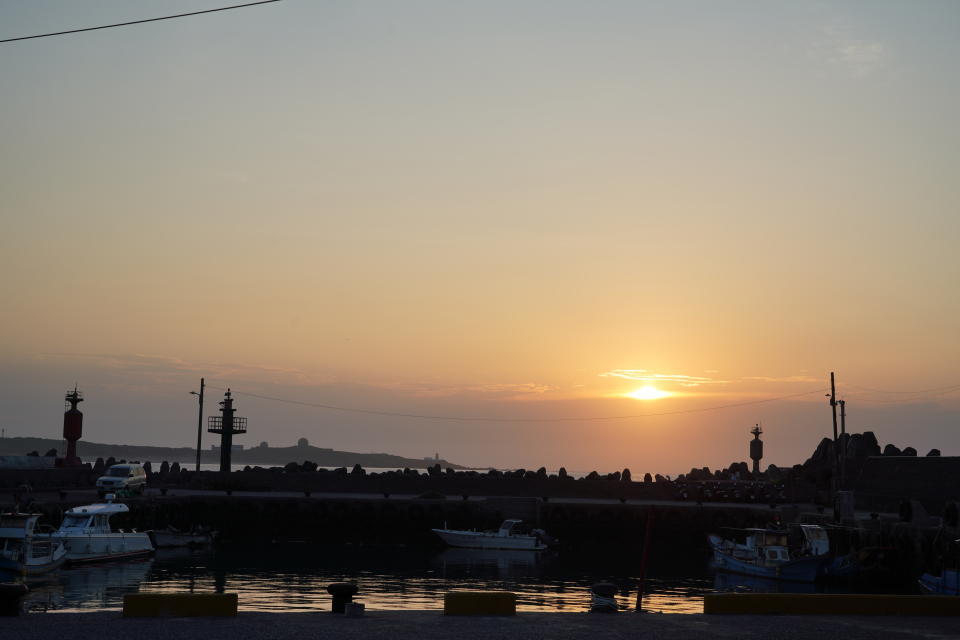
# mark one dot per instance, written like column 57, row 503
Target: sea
column 294, row 577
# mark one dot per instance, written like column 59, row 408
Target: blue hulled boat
column 947, row 583
column 764, row 553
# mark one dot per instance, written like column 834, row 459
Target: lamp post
column 199, row 419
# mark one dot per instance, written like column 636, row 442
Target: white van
column 131, row 477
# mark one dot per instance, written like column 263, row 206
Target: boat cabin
column 93, row 518
column 21, row 545
column 769, row 547
column 507, row 528
column 17, row 525
column 816, row 542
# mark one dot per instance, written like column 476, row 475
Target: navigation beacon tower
column 226, row 425
column 756, row 448
column 72, row 427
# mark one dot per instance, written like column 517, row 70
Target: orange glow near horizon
column 648, row 392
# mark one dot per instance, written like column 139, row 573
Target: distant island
column 263, row 455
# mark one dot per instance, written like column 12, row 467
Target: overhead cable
column 125, row 24
column 395, row 414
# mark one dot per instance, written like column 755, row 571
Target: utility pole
column 843, row 443
column 199, row 419
column 833, row 406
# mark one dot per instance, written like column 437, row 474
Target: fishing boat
column 765, row 553
column 947, row 583
column 26, row 551
column 506, row 537
column 88, row 537
column 171, row 538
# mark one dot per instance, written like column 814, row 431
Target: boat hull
column 168, row 540
column 802, row 570
column 35, row 556
column 483, row 540
column 947, row 584
column 106, row 546
column 31, row 568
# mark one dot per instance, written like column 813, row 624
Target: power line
column 938, row 389
column 125, row 24
column 394, row 414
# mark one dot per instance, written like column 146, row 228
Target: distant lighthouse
column 72, row 427
column 227, row 425
column 756, row 448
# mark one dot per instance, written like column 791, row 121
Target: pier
column 432, row 625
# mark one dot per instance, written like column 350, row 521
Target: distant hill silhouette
column 264, row 456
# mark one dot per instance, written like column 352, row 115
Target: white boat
column 87, row 535
column 170, row 538
column 506, row 537
column 26, row 551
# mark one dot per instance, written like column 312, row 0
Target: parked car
column 129, row 477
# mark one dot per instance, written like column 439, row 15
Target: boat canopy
column 17, row 525
column 507, row 527
column 107, row 508
column 815, row 539
column 92, row 518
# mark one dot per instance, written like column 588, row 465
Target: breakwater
column 582, row 526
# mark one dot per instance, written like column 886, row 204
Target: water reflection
column 506, row 562
column 87, row 587
column 293, row 577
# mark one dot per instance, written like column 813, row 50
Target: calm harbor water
column 293, row 577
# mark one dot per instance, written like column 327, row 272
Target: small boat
column 764, row 553
column 170, row 538
column 506, row 537
column 87, row 535
column 26, row 551
column 947, row 583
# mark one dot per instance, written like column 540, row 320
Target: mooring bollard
column 11, row 594
column 604, row 598
column 342, row 593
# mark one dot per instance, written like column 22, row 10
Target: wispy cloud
column 838, row 45
column 502, row 391
column 642, row 375
column 782, row 379
column 166, row 366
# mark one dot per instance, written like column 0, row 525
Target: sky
column 586, row 234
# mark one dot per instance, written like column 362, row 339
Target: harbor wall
column 613, row 528
column 884, row 483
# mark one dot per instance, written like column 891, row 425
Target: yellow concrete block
column 851, row 604
column 179, row 605
column 479, row 603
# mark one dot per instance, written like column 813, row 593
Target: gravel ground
column 430, row 625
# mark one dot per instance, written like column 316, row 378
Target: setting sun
column 647, row 393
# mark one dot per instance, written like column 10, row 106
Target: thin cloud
column 166, row 366
column 782, row 379
column 509, row 391
column 642, row 375
column 838, row 46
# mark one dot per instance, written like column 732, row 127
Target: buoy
column 342, row 593
column 604, row 598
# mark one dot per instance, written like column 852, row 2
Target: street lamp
column 199, row 419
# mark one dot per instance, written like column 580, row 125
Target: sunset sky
column 520, row 211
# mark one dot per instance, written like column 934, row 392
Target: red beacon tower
column 72, row 427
